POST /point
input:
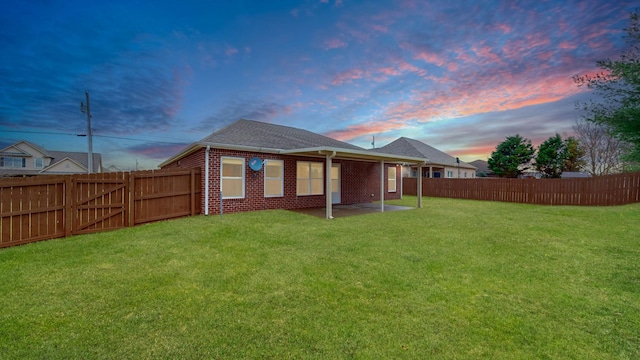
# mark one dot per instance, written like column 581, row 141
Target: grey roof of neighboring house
column 259, row 134
column 81, row 158
column 411, row 147
column 482, row 166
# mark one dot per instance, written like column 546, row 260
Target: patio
column 351, row 210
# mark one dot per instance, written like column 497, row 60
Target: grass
column 457, row 279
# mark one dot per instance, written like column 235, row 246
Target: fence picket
column 608, row 190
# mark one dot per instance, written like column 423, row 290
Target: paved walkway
column 350, row 210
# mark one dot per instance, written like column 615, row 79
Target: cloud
column 230, row 51
column 334, row 44
column 132, row 87
column 155, row 151
column 247, row 109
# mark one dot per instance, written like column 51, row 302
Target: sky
column 458, row 75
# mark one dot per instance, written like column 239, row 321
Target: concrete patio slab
column 351, row 210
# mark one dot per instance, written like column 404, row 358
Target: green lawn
column 457, row 279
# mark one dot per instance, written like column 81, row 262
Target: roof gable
column 79, row 158
column 264, row 135
column 65, row 165
column 411, row 147
column 25, row 149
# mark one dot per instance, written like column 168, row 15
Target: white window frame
column 38, row 163
column 309, row 178
column 222, row 159
column 392, row 180
column 13, row 162
column 280, row 178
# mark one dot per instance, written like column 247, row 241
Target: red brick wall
column 359, row 180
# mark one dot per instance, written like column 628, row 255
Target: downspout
column 328, row 196
column 381, row 185
column 206, row 181
column 419, row 185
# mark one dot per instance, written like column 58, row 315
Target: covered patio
column 330, row 153
column 339, row 211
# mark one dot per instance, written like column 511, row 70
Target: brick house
column 250, row 165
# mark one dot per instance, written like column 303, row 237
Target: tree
column 511, row 157
column 552, row 154
column 619, row 86
column 603, row 150
column 575, row 155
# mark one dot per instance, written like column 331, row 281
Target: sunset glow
column 458, row 75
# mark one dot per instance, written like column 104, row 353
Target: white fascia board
column 356, row 154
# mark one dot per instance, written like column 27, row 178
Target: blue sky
column 458, row 75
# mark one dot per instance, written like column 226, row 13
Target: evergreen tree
column 511, row 157
column 552, row 154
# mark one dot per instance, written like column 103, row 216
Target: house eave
column 200, row 145
column 362, row 155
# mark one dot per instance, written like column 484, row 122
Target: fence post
column 193, row 192
column 67, row 216
column 131, row 182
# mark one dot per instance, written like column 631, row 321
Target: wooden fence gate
column 48, row 207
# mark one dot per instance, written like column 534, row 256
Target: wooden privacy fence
column 597, row 191
column 47, row 207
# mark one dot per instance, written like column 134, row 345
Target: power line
column 102, row 136
column 39, row 132
column 134, row 139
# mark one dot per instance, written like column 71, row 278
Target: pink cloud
column 430, row 57
column 565, row 45
column 230, row 51
column 380, row 28
column 487, row 53
column 348, row 76
column 368, row 128
column 334, row 44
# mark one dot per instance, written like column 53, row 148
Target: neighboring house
column 250, row 165
column 574, row 174
column 482, row 168
column 26, row 159
column 438, row 165
column 112, row 168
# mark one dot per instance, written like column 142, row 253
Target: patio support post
column 328, row 195
column 381, row 185
column 419, row 190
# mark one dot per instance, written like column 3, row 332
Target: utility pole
column 87, row 110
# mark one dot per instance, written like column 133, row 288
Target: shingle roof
column 81, row 158
column 411, row 147
column 259, row 134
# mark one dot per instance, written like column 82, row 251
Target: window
column 391, row 179
column 273, row 178
column 449, row 173
column 37, row 162
column 310, row 178
column 232, row 179
column 12, row 162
